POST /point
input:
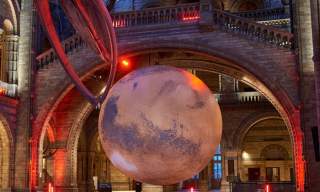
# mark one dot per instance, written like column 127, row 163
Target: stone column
column 206, row 19
column 309, row 78
column 210, row 175
column 10, row 58
column 61, row 170
column 151, row 188
column 228, row 84
column 203, row 181
column 224, row 183
column 228, row 89
column 22, row 149
column 2, row 59
column 314, row 176
column 229, row 156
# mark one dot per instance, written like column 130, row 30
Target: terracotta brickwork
column 46, row 98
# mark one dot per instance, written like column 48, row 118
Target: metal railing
column 254, row 96
column 184, row 13
column 253, row 30
column 71, row 44
column 265, row 14
column 241, row 97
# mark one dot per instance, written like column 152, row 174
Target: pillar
column 309, row 82
column 210, row 175
column 151, row 188
column 230, row 169
column 228, row 88
column 206, row 19
column 22, row 149
column 314, row 176
column 203, row 181
column 10, row 60
column 61, row 171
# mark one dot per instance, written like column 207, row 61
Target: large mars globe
column 160, row 125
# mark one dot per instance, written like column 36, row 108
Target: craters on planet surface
column 160, row 125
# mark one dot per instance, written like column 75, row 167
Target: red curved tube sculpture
column 93, row 22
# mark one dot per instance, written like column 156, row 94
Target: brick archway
column 229, row 65
column 6, row 156
column 76, row 128
column 249, row 122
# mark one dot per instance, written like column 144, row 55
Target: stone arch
column 248, row 123
column 73, row 140
column 75, row 132
column 274, row 152
column 11, row 15
column 76, row 128
column 232, row 67
column 6, row 156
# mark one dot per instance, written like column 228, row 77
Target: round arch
column 6, row 156
column 249, row 122
column 76, row 128
column 12, row 19
column 229, row 66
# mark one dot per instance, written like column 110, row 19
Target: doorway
column 254, row 174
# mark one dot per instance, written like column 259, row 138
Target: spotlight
column 125, row 63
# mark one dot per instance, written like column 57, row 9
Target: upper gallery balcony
column 252, row 97
column 277, row 17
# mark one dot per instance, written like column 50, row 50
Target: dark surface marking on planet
column 130, row 139
column 198, row 101
column 197, row 105
column 168, row 87
column 135, row 85
column 128, row 136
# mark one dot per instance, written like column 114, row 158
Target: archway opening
column 93, row 166
column 232, row 90
column 5, row 155
column 267, row 148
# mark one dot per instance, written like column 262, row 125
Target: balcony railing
column 265, row 14
column 253, row 30
column 241, row 97
column 9, row 90
column 71, row 44
column 254, row 96
column 184, row 13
